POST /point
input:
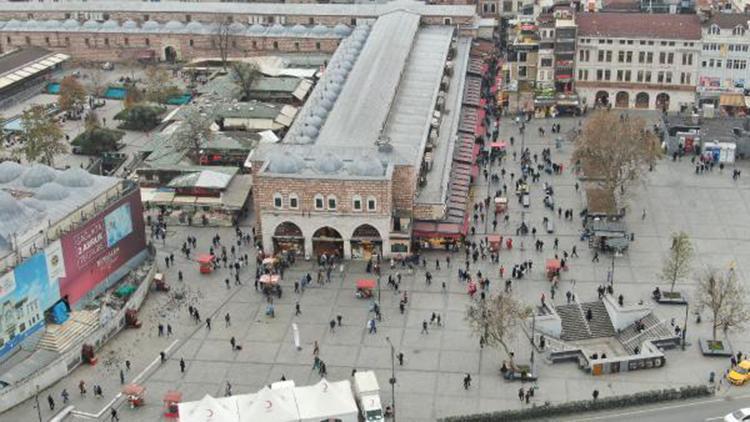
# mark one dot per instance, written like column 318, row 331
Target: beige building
column 633, row 60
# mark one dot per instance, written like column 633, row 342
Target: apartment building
column 723, row 69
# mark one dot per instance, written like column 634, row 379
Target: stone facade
column 724, row 56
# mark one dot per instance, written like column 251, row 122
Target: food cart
column 160, row 283
column 270, row 284
column 134, row 394
column 171, row 400
column 206, row 262
column 498, row 149
column 501, row 204
column 270, row 263
column 552, row 268
column 495, row 241
column 365, row 288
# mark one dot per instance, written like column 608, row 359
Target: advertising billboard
column 92, row 252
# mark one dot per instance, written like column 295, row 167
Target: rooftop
column 639, row 25
column 369, row 10
column 729, row 20
column 17, row 65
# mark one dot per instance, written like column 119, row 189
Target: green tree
column 244, row 75
column 677, row 265
column 72, row 94
column 42, row 136
column 158, row 85
column 497, row 319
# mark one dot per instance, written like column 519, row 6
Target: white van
column 367, row 392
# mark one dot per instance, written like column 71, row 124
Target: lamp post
column 36, row 401
column 392, row 381
column 378, row 286
column 684, row 327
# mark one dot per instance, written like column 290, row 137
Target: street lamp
column 392, row 381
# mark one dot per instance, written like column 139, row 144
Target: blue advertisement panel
column 118, row 224
column 27, row 292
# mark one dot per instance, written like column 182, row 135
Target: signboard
column 94, row 251
column 55, row 264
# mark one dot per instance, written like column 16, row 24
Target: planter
column 521, row 373
column 715, row 348
column 672, row 298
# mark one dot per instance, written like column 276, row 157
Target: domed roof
column 9, row 171
column 326, row 103
column 346, row 64
column 110, row 25
column 38, row 175
column 329, row 163
column 285, row 163
column 366, row 166
column 342, row 30
column 91, row 25
column 337, row 77
column 31, row 25
column 256, row 29
column 150, row 26
column 236, row 28
column 51, row 24
column 10, row 209
column 298, row 29
column 130, row 24
column 51, row 192
column 310, row 131
column 75, row 177
column 320, row 111
column 315, row 121
column 320, row 30
column 303, row 139
column 174, row 26
column 13, row 24
column 276, row 29
column 34, row 204
column 70, row 24
column 194, row 26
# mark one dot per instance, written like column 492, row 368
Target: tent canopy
column 326, row 400
column 271, row 406
column 208, row 409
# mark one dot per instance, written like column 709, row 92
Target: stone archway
column 327, row 240
column 366, row 242
column 288, row 237
column 641, row 100
column 170, row 54
column 662, row 101
column 622, row 100
column 601, row 98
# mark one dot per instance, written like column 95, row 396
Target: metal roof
column 20, row 64
column 288, row 9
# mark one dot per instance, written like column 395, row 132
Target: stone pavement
column 711, row 208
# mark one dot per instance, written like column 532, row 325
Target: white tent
column 271, row 406
column 207, row 409
column 326, row 400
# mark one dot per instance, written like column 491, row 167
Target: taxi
column 740, row 373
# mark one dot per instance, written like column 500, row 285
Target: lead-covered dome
column 38, row 175
column 51, row 192
column 329, row 163
column 75, row 177
column 9, row 171
column 285, row 164
column 366, row 166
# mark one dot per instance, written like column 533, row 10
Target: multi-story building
column 633, row 60
column 723, row 64
column 565, row 49
column 522, row 61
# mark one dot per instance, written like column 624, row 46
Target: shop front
column 366, row 243
column 288, row 238
column 328, row 241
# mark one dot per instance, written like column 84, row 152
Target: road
column 710, row 409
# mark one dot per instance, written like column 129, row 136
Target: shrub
column 140, row 117
column 97, row 140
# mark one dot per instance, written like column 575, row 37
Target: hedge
column 140, row 117
column 97, row 141
column 605, row 403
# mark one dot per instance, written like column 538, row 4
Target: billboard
column 92, row 252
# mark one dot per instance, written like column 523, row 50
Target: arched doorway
column 366, row 242
column 327, row 240
column 602, row 98
column 622, row 100
column 170, row 54
column 288, row 237
column 641, row 100
column 662, row 101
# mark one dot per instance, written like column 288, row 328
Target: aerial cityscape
column 374, row 210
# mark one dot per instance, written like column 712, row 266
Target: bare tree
column 244, row 75
column 677, row 265
column 42, row 136
column 96, row 82
column 618, row 149
column 496, row 320
column 193, row 133
column 223, row 38
column 723, row 294
column 159, row 87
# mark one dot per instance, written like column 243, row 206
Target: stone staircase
column 600, row 324
column 574, row 325
column 61, row 337
column 656, row 330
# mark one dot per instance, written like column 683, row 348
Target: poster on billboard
column 32, row 282
column 55, row 263
column 101, row 246
column 7, row 284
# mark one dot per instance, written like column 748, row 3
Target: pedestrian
column 339, row 318
column 163, row 356
column 424, row 327
column 521, row 394
column 467, row 381
column 169, row 330
column 161, row 329
column 127, row 365
column 227, row 320
column 113, row 415
column 527, row 396
column 208, row 324
column 596, row 257
column 51, row 402
column 332, row 325
column 400, row 357
column 595, row 394
column 297, row 310
column 65, row 396
column 316, row 348
column 182, row 365
column 166, row 261
column 122, row 377
column 82, row 388
column 179, row 275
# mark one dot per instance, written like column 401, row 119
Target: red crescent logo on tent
column 269, row 404
column 210, row 413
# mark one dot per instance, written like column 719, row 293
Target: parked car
column 739, row 415
column 740, row 373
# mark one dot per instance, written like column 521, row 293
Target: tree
column 72, row 94
column 724, row 296
column 193, row 133
column 133, row 95
column 42, row 136
column 617, row 149
column 222, row 39
column 97, row 83
column 91, row 121
column 159, row 88
column 496, row 319
column 677, row 264
column 245, row 75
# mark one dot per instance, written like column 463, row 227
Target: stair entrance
column 575, row 325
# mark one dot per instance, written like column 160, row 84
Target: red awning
column 270, row 279
column 498, row 145
column 366, row 284
column 205, row 258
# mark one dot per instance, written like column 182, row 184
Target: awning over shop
column 732, row 100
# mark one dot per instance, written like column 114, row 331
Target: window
column 275, row 45
column 145, row 18
column 641, row 56
column 629, row 57
column 718, row 63
column 311, row 21
column 28, row 40
column 67, row 40
column 670, row 58
column 255, row 45
column 738, row 30
column 621, row 56
column 607, row 75
column 372, row 204
column 601, row 55
column 234, row 43
column 447, row 21
column 278, row 201
column 319, row 202
column 627, row 76
column 620, row 74
column 317, row 46
column 599, row 74
column 86, row 41
column 662, row 57
column 609, row 56
column 668, row 78
column 192, row 43
column 714, row 30
column 546, row 62
column 580, row 55
column 331, row 203
column 660, row 77
column 9, row 40
column 148, row 41
column 687, row 59
column 188, row 18
column 649, row 57
column 648, row 77
column 639, row 76
column 296, row 45
column 357, row 203
column 293, row 201
column 46, row 40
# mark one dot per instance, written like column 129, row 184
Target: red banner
column 94, row 251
